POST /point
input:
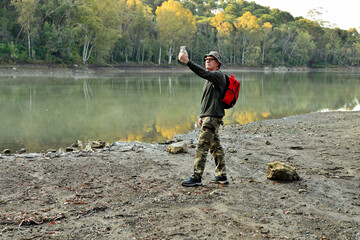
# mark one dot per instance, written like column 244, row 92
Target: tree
column 266, row 30
column 224, row 27
column 305, row 46
column 51, row 39
column 221, row 23
column 286, row 42
column 315, row 15
column 27, row 19
column 247, row 25
column 97, row 27
column 5, row 34
column 176, row 25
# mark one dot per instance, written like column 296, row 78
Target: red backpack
column 231, row 93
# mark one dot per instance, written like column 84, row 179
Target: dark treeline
column 151, row 31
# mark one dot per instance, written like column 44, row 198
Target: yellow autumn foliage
column 222, row 25
column 175, row 23
column 247, row 22
column 267, row 25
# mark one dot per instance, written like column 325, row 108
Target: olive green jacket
column 211, row 104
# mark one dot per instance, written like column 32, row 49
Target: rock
column 88, row 147
column 77, row 144
column 23, row 150
column 70, row 149
column 231, row 150
column 297, row 148
column 179, row 147
column 7, row 151
column 218, row 192
column 302, row 191
column 280, row 171
column 98, row 144
column 267, row 69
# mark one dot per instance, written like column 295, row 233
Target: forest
column 150, row 32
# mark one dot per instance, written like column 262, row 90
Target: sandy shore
column 133, row 190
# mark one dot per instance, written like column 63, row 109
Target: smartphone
column 182, row 49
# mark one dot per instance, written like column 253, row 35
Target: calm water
column 39, row 113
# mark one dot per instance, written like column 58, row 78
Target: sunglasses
column 209, row 59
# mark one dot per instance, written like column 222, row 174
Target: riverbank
column 91, row 71
column 133, row 190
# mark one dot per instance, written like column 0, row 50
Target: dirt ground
column 133, row 190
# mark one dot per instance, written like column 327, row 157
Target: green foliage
column 148, row 32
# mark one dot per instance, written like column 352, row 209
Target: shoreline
column 132, row 190
column 92, row 71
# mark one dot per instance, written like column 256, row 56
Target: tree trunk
column 159, row 57
column 263, row 52
column 143, row 55
column 86, row 50
column 171, row 52
column 29, row 43
column 47, row 53
column 243, row 51
column 126, row 56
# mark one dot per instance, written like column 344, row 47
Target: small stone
column 297, row 148
column 69, row 149
column 217, row 192
column 23, row 150
column 98, row 144
column 7, row 151
column 231, row 150
column 265, row 220
column 302, row 191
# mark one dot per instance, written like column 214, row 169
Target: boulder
column 280, row 171
column 179, row 147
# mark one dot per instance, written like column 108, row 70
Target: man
column 212, row 112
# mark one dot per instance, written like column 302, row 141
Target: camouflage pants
column 209, row 140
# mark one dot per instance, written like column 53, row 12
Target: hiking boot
column 220, row 180
column 192, row 182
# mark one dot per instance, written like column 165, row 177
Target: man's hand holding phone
column 183, row 55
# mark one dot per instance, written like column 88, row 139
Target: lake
column 39, row 113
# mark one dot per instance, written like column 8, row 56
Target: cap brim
column 207, row 55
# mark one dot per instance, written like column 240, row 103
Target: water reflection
column 42, row 113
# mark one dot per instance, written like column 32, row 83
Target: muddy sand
column 133, row 190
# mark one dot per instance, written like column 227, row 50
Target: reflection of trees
column 159, row 80
column 171, row 91
column 87, row 91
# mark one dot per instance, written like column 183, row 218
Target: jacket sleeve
column 216, row 77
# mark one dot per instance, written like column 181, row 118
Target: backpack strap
column 226, row 78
